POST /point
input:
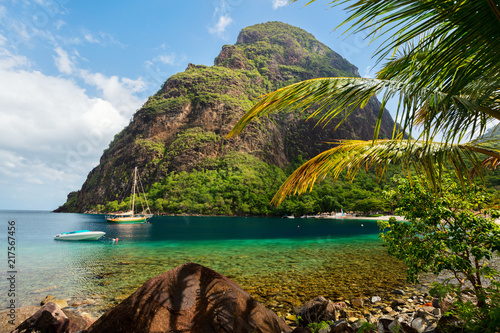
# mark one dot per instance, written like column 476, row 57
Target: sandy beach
column 349, row 217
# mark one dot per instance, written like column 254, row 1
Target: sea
column 281, row 262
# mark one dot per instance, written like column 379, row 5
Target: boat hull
column 134, row 219
column 80, row 236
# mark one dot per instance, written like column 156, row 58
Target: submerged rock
column 189, row 298
column 60, row 302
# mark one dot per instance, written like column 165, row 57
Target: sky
column 73, row 73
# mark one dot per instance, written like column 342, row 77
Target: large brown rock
column 10, row 320
column 317, row 310
column 189, row 298
column 51, row 319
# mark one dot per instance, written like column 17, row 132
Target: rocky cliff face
column 183, row 126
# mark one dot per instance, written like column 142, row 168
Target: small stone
column 435, row 302
column 398, row 292
column 316, row 310
column 342, row 328
column 424, row 315
column 418, row 324
column 339, row 305
column 397, row 302
column 372, row 319
column 77, row 303
column 340, row 321
column 428, row 309
column 392, row 314
column 301, row 330
column 376, row 299
column 437, row 312
column 387, row 309
column 358, row 323
column 357, row 302
column 384, row 322
column 351, row 313
column 394, row 326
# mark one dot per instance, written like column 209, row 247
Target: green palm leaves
column 430, row 159
column 444, row 69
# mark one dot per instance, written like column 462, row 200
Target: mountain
column 177, row 139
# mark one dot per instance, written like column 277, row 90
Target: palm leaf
column 338, row 98
column 464, row 32
column 428, row 159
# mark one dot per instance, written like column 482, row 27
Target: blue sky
column 73, row 72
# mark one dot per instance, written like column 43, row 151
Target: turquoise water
column 281, row 262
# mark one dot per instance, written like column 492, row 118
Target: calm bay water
column 281, row 262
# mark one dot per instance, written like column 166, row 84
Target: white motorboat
column 79, row 235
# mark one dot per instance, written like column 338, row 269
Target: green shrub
column 447, row 232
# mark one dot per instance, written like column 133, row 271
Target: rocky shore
column 197, row 299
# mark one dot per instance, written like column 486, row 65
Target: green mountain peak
column 177, row 139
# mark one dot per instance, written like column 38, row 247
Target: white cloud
column 59, row 24
column 119, row 92
column 101, row 38
column 221, row 18
column 8, row 60
column 279, row 3
column 3, row 12
column 89, row 38
column 53, row 132
column 166, row 59
column 221, row 24
column 63, row 63
column 158, row 68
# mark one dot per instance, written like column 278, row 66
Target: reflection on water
column 282, row 263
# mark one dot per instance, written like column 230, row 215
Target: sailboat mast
column 133, row 190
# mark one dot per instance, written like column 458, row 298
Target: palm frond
column 334, row 97
column 464, row 32
column 428, row 159
column 338, row 98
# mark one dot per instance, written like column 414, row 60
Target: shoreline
column 410, row 298
column 378, row 218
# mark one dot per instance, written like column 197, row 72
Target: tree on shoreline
column 443, row 67
column 448, row 232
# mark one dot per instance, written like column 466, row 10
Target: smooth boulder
column 51, row 319
column 189, row 298
column 317, row 310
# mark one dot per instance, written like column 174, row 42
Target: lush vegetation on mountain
column 240, row 184
column 178, row 138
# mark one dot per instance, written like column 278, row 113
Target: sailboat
column 130, row 216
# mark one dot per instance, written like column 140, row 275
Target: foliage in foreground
column 446, row 232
